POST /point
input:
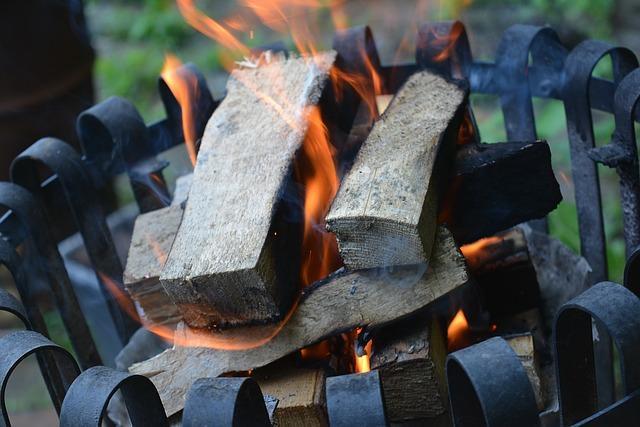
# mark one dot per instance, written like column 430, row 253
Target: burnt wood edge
column 497, row 186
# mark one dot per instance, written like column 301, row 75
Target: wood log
column 522, row 345
column 153, row 235
column 341, row 303
column 231, row 262
column 300, row 393
column 385, row 211
column 497, row 186
column 410, row 356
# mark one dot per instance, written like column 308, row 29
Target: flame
column 316, row 170
column 363, row 363
column 473, row 252
column 184, row 87
column 447, row 43
column 458, row 332
column 211, row 28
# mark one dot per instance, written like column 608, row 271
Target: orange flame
column 316, row 170
column 473, row 252
column 362, row 363
column 447, row 43
column 458, row 332
column 184, row 87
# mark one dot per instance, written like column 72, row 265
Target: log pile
column 228, row 274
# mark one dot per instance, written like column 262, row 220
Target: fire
column 458, row 332
column 362, row 363
column 473, row 252
column 316, row 170
column 447, row 44
column 184, row 87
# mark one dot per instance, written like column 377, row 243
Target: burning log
column 497, row 186
column 385, row 211
column 300, row 393
column 410, row 356
column 341, row 303
column 231, row 263
column 153, row 235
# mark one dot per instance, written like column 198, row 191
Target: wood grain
column 385, row 211
column 342, row 303
column 229, row 263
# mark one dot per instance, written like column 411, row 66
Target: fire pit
column 442, row 301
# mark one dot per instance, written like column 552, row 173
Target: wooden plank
column 300, row 393
column 342, row 303
column 229, row 264
column 153, row 235
column 410, row 356
column 385, row 211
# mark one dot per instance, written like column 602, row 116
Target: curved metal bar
column 512, row 66
column 203, row 104
column 9, row 304
column 87, row 399
column 626, row 161
column 579, row 67
column 617, row 311
column 48, row 259
column 444, row 48
column 16, row 346
column 225, row 402
column 356, row 400
column 63, row 161
column 625, row 412
column 489, row 386
column 632, row 272
column 115, row 139
column 113, row 135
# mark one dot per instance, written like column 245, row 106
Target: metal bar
column 489, row 386
column 88, row 397
column 16, row 346
column 225, row 402
column 48, row 259
column 355, row 400
column 617, row 311
column 80, row 195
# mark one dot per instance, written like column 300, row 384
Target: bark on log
column 229, row 263
column 410, row 356
column 153, row 235
column 497, row 186
column 385, row 211
column 342, row 303
column 300, row 393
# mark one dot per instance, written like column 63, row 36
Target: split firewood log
column 231, row 262
column 385, row 211
column 410, row 356
column 153, row 235
column 498, row 186
column 341, row 303
column 300, row 393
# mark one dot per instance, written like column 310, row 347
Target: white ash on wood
column 229, row 263
column 341, row 303
column 385, row 211
column 153, row 235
